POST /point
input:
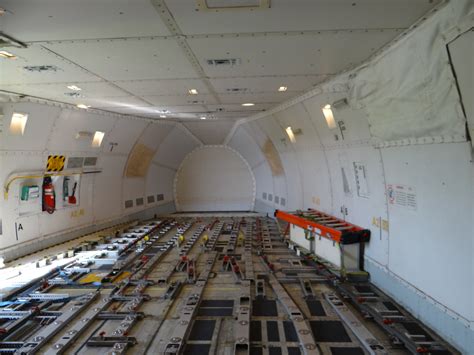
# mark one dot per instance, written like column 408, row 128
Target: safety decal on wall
column 55, row 163
column 402, row 195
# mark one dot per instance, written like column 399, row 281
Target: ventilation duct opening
column 220, row 5
column 223, row 62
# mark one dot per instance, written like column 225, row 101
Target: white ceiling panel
column 39, row 20
column 175, row 100
column 90, row 91
column 110, row 102
column 265, row 97
column 300, row 15
column 267, row 83
column 12, row 71
column 128, row 59
column 210, row 131
column 163, row 87
column 287, row 55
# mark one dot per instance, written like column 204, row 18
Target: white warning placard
column 402, row 195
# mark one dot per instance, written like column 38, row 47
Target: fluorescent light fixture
column 193, row 91
column 83, row 106
column 291, row 135
column 162, row 116
column 74, row 87
column 203, row 117
column 97, row 140
column 282, row 88
column 7, row 55
column 247, row 104
column 329, row 116
column 18, row 123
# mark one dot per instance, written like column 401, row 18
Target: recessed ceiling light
column 97, row 140
column 290, row 133
column 74, row 87
column 83, row 106
column 282, row 88
column 248, row 104
column 18, row 123
column 163, row 116
column 203, row 117
column 329, row 116
column 7, row 55
column 193, row 91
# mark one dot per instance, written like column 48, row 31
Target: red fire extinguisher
column 49, row 196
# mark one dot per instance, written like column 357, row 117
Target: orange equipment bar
column 326, row 225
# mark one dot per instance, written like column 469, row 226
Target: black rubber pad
column 316, row 308
column 347, row 351
column 272, row 331
column 290, row 331
column 415, row 329
column 216, row 303
column 254, row 350
column 196, row 349
column 364, row 289
column 273, row 350
column 202, row 330
column 294, row 351
column 329, row 331
column 255, row 330
column 264, row 308
column 215, row 312
column 390, row 306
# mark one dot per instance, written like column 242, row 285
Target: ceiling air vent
column 41, row 68
column 219, row 5
column 223, row 62
column 236, row 90
column 73, row 94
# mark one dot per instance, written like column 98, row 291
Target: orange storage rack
column 326, row 226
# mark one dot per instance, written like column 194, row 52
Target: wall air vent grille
column 223, row 62
column 270, row 197
column 264, row 195
column 129, row 204
column 160, row 197
column 90, row 161
column 277, row 199
column 75, row 162
column 150, row 199
column 139, row 201
column 41, row 68
column 282, row 201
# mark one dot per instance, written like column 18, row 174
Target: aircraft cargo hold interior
column 236, row 177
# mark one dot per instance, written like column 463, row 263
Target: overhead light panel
column 83, row 106
column 282, row 88
column 248, row 104
column 329, row 116
column 291, row 135
column 74, row 88
column 97, row 140
column 162, row 116
column 203, row 117
column 18, row 123
column 193, row 91
column 7, row 55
